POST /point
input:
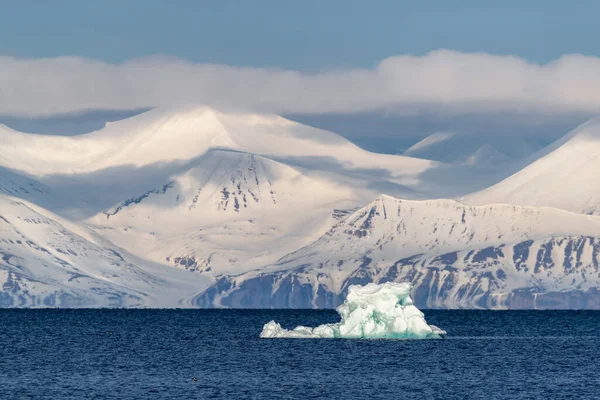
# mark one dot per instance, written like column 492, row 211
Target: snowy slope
column 392, row 239
column 165, row 136
column 563, row 176
column 48, row 261
column 469, row 149
column 22, row 186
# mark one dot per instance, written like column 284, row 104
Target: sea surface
column 152, row 354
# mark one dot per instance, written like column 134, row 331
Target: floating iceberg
column 371, row 311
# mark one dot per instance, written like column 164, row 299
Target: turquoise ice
column 370, row 311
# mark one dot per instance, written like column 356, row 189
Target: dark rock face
column 555, row 273
column 267, row 291
column 139, row 199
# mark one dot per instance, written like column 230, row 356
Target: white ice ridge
column 371, row 311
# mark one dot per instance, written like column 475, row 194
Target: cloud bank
column 446, row 80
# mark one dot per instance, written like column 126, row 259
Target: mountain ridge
column 370, row 244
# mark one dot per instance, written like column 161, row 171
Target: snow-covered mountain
column 211, row 191
column 199, row 189
column 265, row 212
column 564, row 175
column 230, row 212
column 455, row 255
column 130, row 157
column 49, row 261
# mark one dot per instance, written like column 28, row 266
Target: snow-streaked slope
column 232, row 211
column 470, row 149
column 563, row 176
column 473, row 244
column 394, row 228
column 49, row 261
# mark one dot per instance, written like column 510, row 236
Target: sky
column 407, row 62
column 303, row 35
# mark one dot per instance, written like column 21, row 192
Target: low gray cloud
column 441, row 80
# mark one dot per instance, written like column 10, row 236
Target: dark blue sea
column 154, row 354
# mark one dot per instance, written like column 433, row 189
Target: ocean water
column 147, row 354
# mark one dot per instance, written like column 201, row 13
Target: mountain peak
column 564, row 176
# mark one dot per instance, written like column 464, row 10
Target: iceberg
column 373, row 311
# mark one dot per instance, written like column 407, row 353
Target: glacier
column 371, row 311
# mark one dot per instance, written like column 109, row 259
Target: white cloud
column 455, row 82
